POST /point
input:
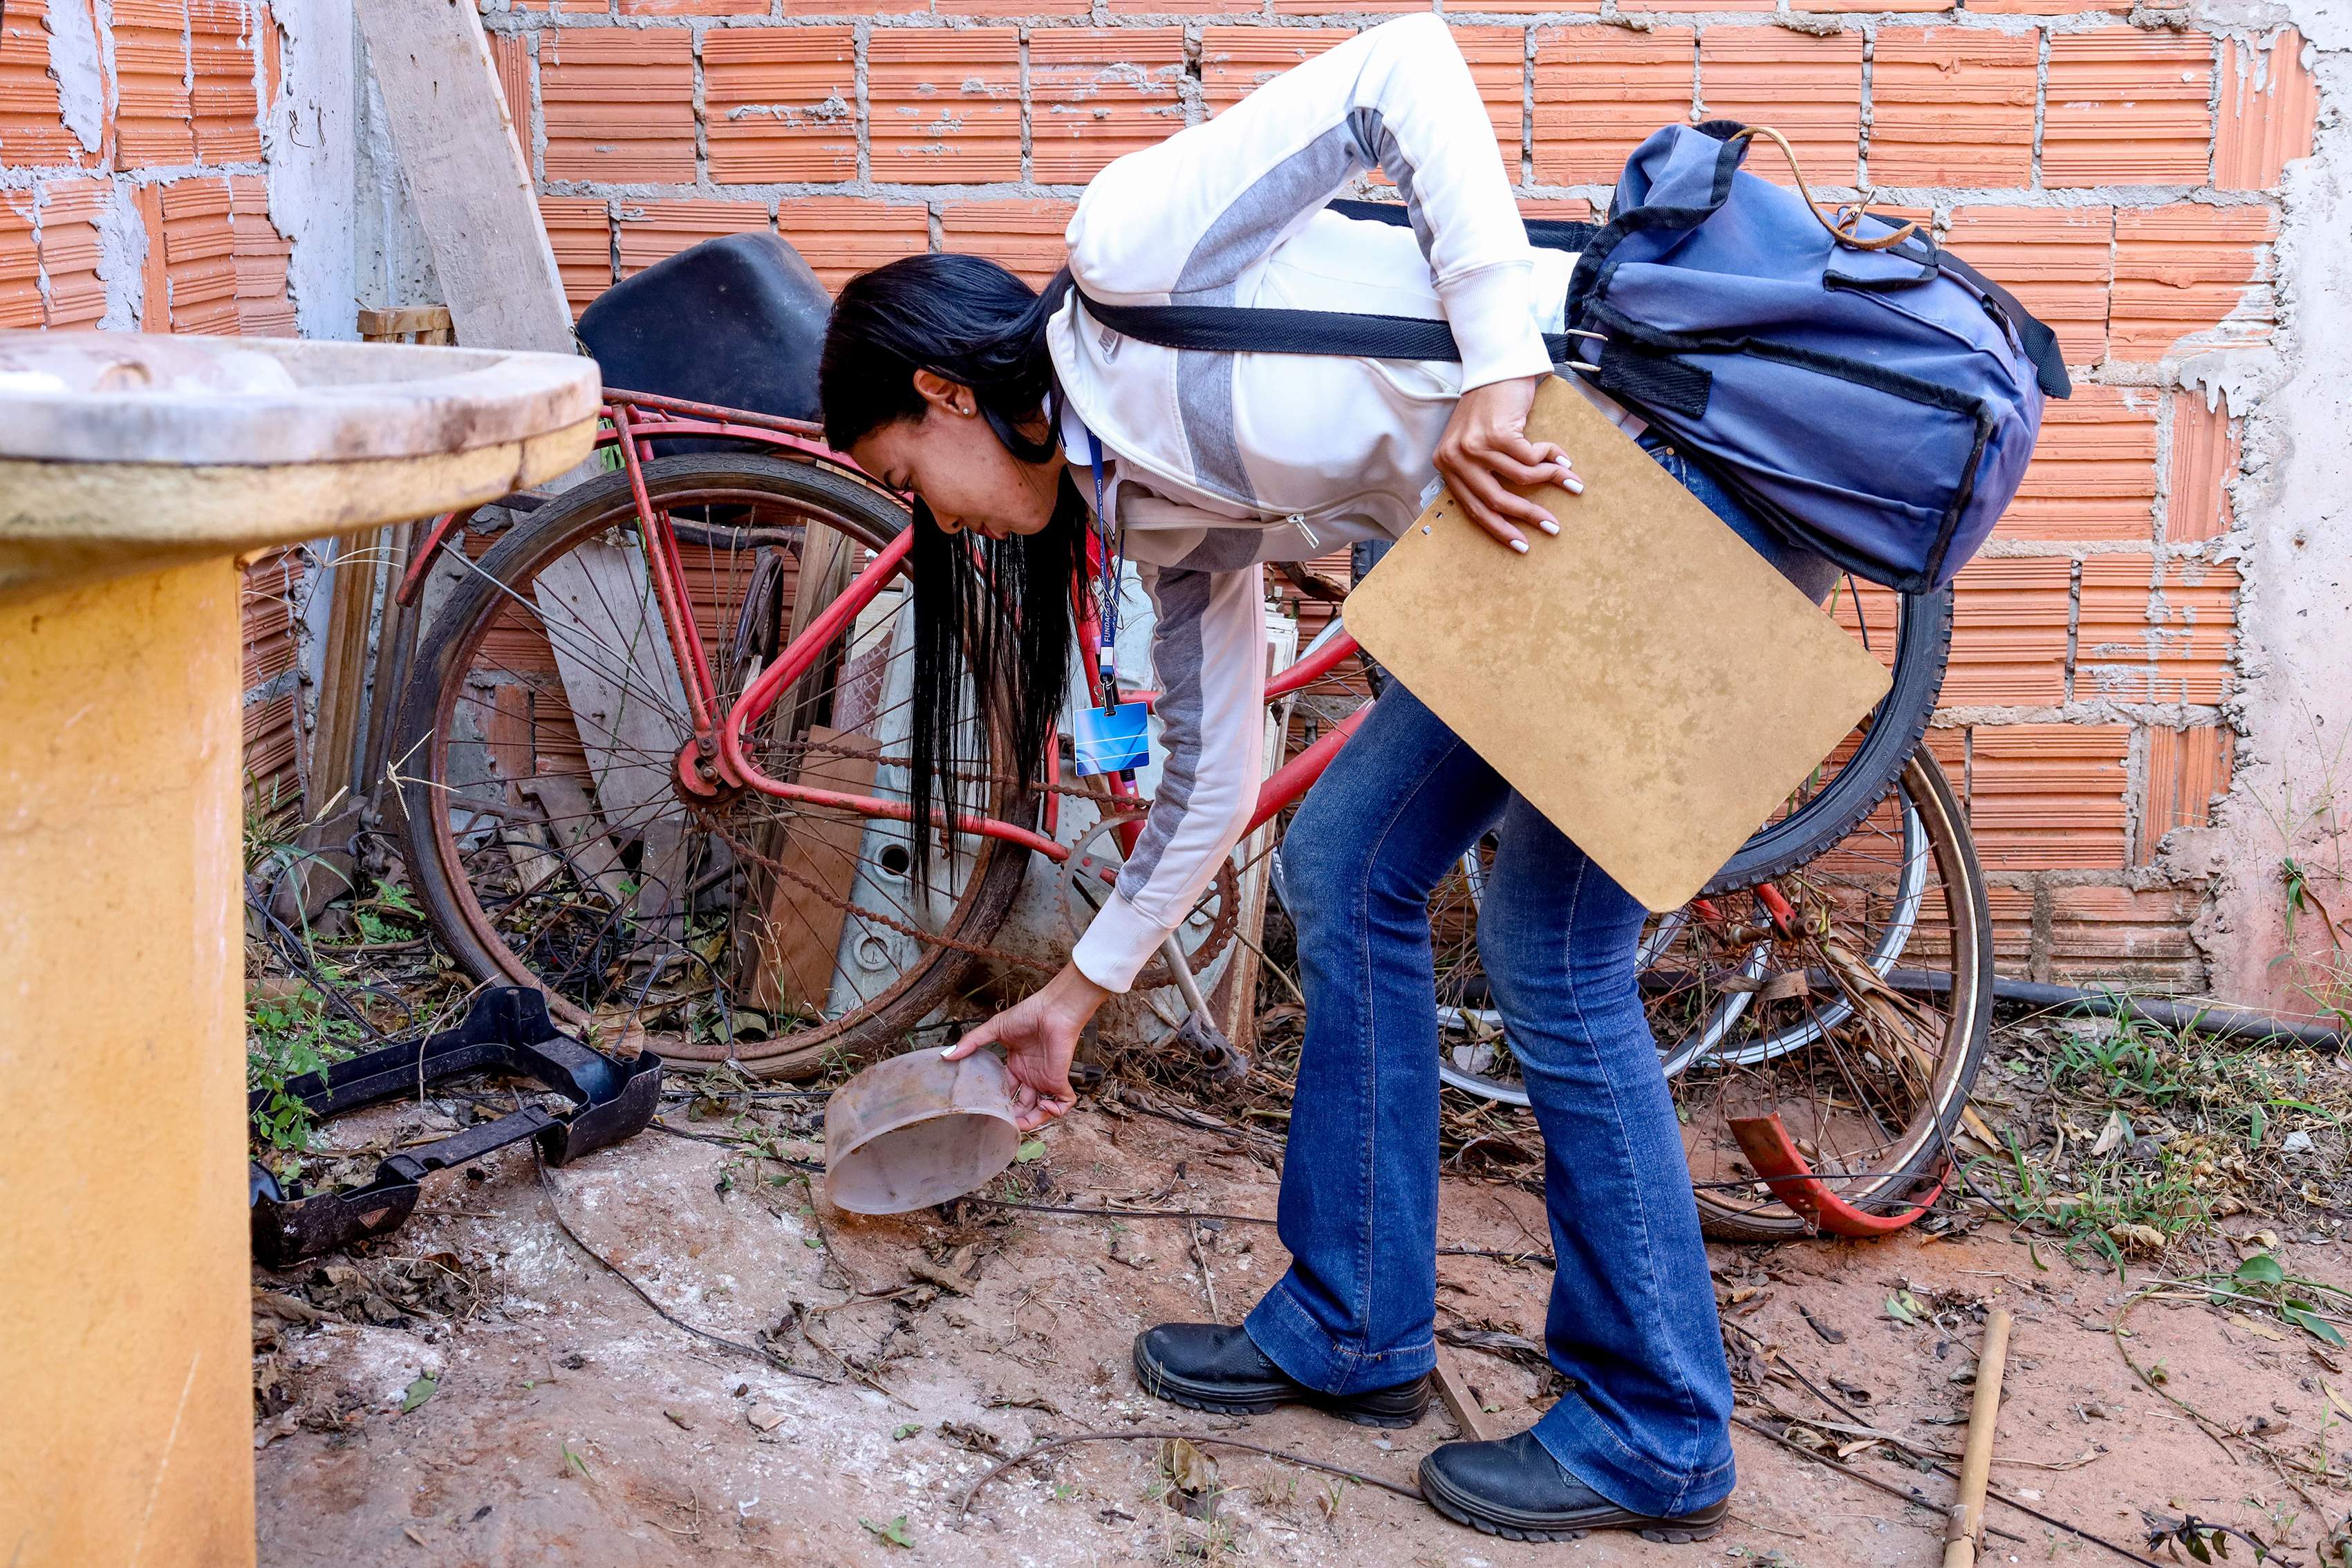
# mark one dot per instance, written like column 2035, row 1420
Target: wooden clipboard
column 1645, row 678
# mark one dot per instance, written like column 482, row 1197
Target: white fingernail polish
column 1574, row 487
column 1520, row 545
column 1551, row 527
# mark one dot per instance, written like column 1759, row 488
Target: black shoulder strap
column 1342, row 334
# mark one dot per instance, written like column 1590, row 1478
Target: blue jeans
column 1632, row 1324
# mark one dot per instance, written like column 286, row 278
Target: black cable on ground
column 2198, row 1018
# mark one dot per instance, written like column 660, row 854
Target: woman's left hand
column 1485, row 449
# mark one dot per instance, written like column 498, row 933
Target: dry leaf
column 2264, row 1331
column 765, row 1418
column 1190, row 1469
column 2113, row 1133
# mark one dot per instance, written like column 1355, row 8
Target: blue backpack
column 1872, row 396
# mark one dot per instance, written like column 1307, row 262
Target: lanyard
column 1113, row 543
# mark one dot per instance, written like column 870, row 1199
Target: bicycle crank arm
column 1225, row 1062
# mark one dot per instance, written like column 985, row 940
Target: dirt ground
column 554, row 1418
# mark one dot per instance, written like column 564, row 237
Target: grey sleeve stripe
column 1379, row 148
column 1241, row 234
column 1180, row 598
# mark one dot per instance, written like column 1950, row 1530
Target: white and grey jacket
column 1218, row 462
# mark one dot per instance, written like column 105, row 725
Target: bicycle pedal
column 1208, row 1046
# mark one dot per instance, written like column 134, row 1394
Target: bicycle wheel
column 538, row 749
column 1799, row 1017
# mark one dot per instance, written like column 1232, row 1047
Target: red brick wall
column 2123, row 179
column 158, row 219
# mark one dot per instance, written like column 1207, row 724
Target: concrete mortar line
column 859, row 35
column 2042, row 110
column 1021, row 89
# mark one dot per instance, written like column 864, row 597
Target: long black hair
column 997, row 610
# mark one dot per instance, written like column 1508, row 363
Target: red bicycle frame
column 718, row 759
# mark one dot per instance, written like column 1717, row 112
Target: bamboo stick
column 1966, row 1525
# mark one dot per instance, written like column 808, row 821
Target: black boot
column 1209, row 1366
column 1514, row 1487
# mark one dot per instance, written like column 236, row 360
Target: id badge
column 1112, row 742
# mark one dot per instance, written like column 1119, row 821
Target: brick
column 2059, row 261
column 581, row 231
column 2137, row 936
column 199, row 257
column 694, row 7
column 2043, row 7
column 944, row 106
column 1025, row 235
column 71, row 211
column 840, row 237
column 1952, row 107
column 781, row 103
column 2048, row 796
column 2270, row 108
column 2191, row 271
column 1187, row 7
column 1498, row 58
column 2012, row 929
column 2169, row 644
column 2204, row 461
column 648, row 231
column 1906, row 7
column 265, row 304
column 2188, row 771
column 2127, row 107
column 1547, row 8
column 618, row 105
column 1600, row 90
column 1097, row 94
column 227, row 108
column 154, row 114
column 1809, row 89
column 20, row 263
column 511, row 57
column 2009, row 633
column 1046, row 9
column 33, row 132
column 1562, row 209
column 1237, row 61
column 2094, row 471
column 2196, row 617
column 1322, row 7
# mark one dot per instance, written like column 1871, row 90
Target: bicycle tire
column 1923, row 648
column 857, row 511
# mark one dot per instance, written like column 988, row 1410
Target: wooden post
column 1966, row 1526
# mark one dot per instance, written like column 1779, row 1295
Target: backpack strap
column 2041, row 343
column 1341, row 334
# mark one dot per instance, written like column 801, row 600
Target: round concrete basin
column 133, row 471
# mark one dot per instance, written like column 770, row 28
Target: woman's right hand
column 1040, row 1034
column 1485, row 449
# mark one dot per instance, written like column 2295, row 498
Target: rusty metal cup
column 916, row 1130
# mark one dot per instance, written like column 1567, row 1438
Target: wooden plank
column 800, row 938
column 466, row 179
column 629, row 703
column 574, row 818
column 1461, row 1402
column 342, row 680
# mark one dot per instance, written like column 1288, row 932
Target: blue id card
column 1110, row 742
